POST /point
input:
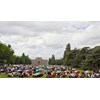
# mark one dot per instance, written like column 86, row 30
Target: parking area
column 55, row 71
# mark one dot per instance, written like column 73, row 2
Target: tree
column 53, row 61
column 58, row 61
column 92, row 59
column 23, row 59
column 73, row 54
column 66, row 56
column 6, row 54
column 17, row 60
column 49, row 61
column 68, row 47
column 84, row 58
column 80, row 56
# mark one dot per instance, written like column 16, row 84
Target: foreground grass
column 79, row 69
column 3, row 75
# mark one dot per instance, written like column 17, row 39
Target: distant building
column 39, row 61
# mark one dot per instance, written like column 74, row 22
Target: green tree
column 58, row 61
column 66, row 56
column 6, row 54
column 49, row 61
column 80, row 57
column 92, row 59
column 68, row 47
column 17, row 60
column 53, row 61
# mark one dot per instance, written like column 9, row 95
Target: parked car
column 37, row 74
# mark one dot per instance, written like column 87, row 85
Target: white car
column 10, row 75
column 38, row 73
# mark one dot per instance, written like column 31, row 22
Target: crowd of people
column 47, row 72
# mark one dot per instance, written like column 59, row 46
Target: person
column 49, row 74
column 82, row 75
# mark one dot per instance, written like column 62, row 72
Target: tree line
column 7, row 56
column 84, row 58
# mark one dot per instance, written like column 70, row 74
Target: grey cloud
column 47, row 37
column 27, row 27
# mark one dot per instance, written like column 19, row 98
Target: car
column 10, row 75
column 37, row 74
column 25, row 74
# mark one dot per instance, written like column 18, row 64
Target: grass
column 3, row 75
column 79, row 69
column 44, row 76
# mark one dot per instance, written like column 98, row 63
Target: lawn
column 79, row 69
column 3, row 75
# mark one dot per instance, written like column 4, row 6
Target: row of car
column 20, row 71
column 47, row 71
column 31, row 71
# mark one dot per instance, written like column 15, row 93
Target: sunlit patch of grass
column 79, row 69
column 3, row 75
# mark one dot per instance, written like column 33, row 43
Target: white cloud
column 47, row 38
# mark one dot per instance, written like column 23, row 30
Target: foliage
column 67, row 54
column 83, row 58
column 23, row 59
column 52, row 60
column 7, row 56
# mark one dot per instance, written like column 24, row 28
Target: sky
column 44, row 38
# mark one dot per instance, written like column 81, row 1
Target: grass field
column 3, row 75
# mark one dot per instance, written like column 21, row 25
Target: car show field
column 53, row 71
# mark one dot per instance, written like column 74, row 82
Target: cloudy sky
column 44, row 38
